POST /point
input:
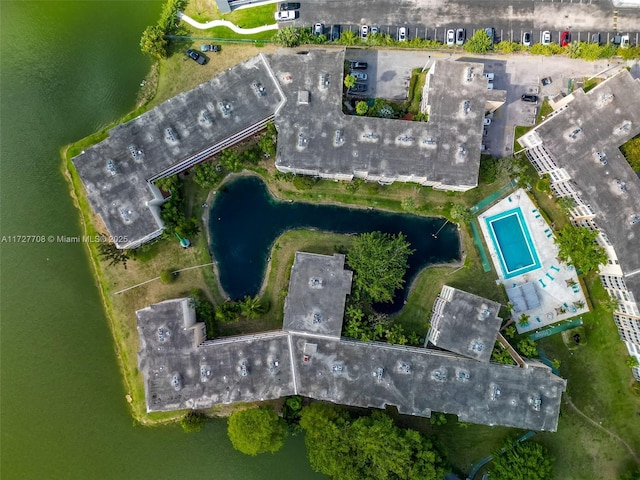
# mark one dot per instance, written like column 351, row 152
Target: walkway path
column 597, row 425
column 158, row 278
column 225, row 23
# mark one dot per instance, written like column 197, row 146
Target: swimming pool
column 512, row 242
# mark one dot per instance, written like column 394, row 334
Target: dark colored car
column 201, row 59
column 595, row 38
column 358, row 87
column 358, row 65
column 289, row 6
column 529, row 98
column 565, row 38
column 335, row 33
column 460, row 36
column 491, row 33
column 546, row 81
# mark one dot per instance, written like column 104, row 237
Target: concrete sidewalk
column 225, row 23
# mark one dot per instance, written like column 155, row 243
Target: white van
column 490, row 76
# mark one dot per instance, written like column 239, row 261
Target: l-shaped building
column 302, row 94
column 183, row 370
column 578, row 146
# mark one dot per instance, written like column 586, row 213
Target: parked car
column 546, row 37
column 526, row 39
column 358, row 65
column 374, row 31
column 402, row 34
column 491, row 33
column 490, row 86
column 198, row 57
column 460, row 36
column 289, row 6
column 529, row 98
column 360, row 75
column 546, row 81
column 595, row 38
column 286, row 15
column 487, row 121
column 565, row 38
column 451, row 38
column 358, row 88
column 209, row 48
column 335, row 33
column 318, row 29
column 624, row 41
column 490, row 76
column 364, row 32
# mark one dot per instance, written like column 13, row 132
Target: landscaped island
column 124, row 165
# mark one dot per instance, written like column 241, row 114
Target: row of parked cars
column 356, row 69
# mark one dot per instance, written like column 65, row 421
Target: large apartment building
column 183, row 370
column 578, row 146
column 302, row 93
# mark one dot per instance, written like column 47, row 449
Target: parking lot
column 389, row 72
column 430, row 19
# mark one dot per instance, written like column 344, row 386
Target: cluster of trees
column 631, row 151
column 522, row 461
column 115, row 256
column 578, row 246
column 209, row 174
column 154, row 42
column 173, row 211
column 491, row 168
column 379, row 262
column 248, row 308
column 369, row 447
column 205, row 311
column 256, row 430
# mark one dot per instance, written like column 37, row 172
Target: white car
column 373, row 31
column 364, row 31
column 285, row 16
column 526, row 39
column 402, row 34
column 451, row 38
column 546, row 37
column 487, row 121
column 359, row 75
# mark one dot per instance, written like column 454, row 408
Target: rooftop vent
column 535, row 402
column 324, row 80
column 624, row 128
column 125, row 214
column 258, row 89
column 430, row 142
column 463, row 375
column 205, row 117
column 466, row 106
column 315, row 282
column 378, row 374
column 477, row 346
column 370, row 137
column 225, row 109
column 339, row 137
column 405, row 368
column 495, row 392
column 621, row 185
column 462, row 151
column 176, row 382
column 602, row 158
column 337, row 368
column 635, row 218
column 163, row 334
column 405, row 139
column 302, row 140
column 170, row 135
column 205, row 373
column 273, row 364
column 439, row 375
column 469, row 72
column 111, row 168
column 574, row 134
column 317, row 318
column 136, row 153
column 604, row 99
column 244, row 369
column 484, row 313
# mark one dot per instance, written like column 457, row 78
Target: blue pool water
column 512, row 241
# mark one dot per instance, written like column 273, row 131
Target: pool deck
column 551, row 281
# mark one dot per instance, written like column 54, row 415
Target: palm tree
column 523, row 320
column 348, row 38
column 250, row 307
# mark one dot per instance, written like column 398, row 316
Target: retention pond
column 245, row 220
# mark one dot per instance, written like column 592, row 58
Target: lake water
column 66, row 70
column 245, row 220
